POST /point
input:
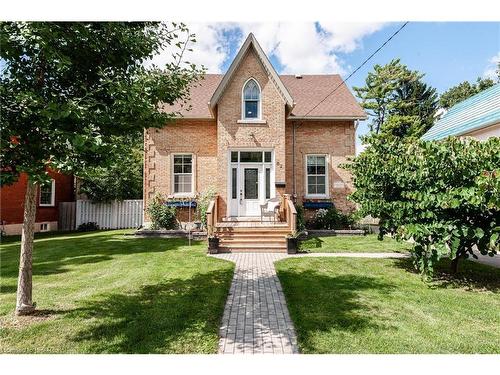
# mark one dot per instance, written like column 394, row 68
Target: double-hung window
column 48, row 194
column 183, row 174
column 316, row 176
column 251, row 100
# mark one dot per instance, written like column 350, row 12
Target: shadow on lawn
column 54, row 254
column 173, row 316
column 472, row 276
column 321, row 303
column 306, row 245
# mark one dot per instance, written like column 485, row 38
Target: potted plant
column 292, row 243
column 213, row 244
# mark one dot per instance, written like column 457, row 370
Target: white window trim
column 327, row 177
column 52, row 195
column 244, row 119
column 190, row 194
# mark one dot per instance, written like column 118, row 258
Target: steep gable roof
column 474, row 113
column 306, row 91
column 249, row 43
column 300, row 93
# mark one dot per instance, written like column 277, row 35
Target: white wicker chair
column 270, row 209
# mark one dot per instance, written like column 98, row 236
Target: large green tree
column 395, row 90
column 68, row 90
column 464, row 90
column 443, row 196
column 119, row 177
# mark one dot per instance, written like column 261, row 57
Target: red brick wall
column 12, row 199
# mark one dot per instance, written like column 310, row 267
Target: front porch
column 252, row 234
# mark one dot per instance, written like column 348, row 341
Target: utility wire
column 359, row 67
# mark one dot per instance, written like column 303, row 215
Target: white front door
column 250, row 181
column 251, row 185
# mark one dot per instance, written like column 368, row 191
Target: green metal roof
column 474, row 113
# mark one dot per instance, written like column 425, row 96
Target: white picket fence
column 114, row 215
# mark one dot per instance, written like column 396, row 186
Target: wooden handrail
column 212, row 215
column 290, row 213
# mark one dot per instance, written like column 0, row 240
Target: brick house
column 60, row 189
column 251, row 135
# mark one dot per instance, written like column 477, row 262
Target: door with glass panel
column 251, row 181
column 251, row 190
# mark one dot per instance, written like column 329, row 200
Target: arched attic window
column 251, row 100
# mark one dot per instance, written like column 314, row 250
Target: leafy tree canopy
column 394, row 90
column 120, row 177
column 68, row 89
column 444, row 196
column 464, row 90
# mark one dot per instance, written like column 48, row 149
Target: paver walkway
column 256, row 319
column 493, row 261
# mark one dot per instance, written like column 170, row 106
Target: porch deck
column 251, row 234
column 249, row 222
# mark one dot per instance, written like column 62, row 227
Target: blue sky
column 447, row 52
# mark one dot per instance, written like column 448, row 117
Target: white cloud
column 347, row 36
column 305, row 48
column 300, row 47
column 211, row 47
column 491, row 68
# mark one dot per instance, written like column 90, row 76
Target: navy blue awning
column 317, row 204
column 187, row 204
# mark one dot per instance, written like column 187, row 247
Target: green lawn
column 346, row 305
column 353, row 244
column 103, row 292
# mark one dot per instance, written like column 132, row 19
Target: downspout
column 294, row 188
column 294, row 196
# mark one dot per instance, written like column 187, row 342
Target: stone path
column 352, row 255
column 493, row 261
column 256, row 319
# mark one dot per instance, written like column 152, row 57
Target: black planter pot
column 213, row 245
column 292, row 245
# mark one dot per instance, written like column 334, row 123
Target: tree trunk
column 454, row 265
column 24, row 305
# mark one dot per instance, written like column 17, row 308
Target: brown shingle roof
column 200, row 95
column 310, row 90
column 306, row 93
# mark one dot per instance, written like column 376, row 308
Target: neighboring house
column 48, row 198
column 477, row 116
column 252, row 134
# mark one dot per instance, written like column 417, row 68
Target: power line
column 359, row 67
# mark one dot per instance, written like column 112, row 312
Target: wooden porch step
column 252, row 230
column 256, row 246
column 252, row 249
column 237, row 240
column 258, row 236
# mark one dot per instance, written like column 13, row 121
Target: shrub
column 87, row 227
column 203, row 202
column 441, row 195
column 301, row 221
column 331, row 219
column 162, row 216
